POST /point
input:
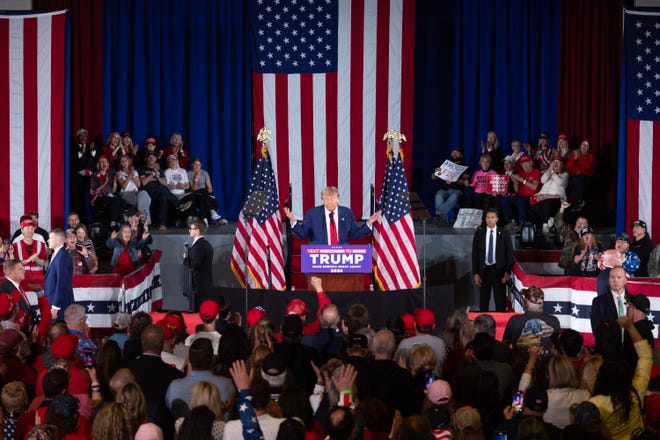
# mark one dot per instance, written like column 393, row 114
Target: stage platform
column 444, row 254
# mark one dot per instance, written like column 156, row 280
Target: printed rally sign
column 497, row 184
column 336, row 259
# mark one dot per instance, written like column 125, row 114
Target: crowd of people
column 121, row 177
column 321, row 375
column 537, row 179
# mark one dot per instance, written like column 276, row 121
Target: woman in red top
column 580, row 165
column 176, row 147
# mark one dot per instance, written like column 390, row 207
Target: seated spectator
column 642, row 245
column 543, row 153
column 153, row 181
column 516, row 154
column 202, row 189
column 587, row 253
column 563, row 147
column 546, row 202
column 102, row 188
column 581, row 165
column 125, row 257
column 511, row 191
column 83, row 262
column 570, row 236
column 127, row 147
column 481, row 199
column 450, row 193
column 527, row 181
column 176, row 177
column 83, row 240
column 492, row 148
column 112, row 146
column 128, row 185
column 176, row 148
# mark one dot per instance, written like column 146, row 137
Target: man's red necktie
column 333, row 229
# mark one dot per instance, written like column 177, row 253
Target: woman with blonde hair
column 563, row 391
column 589, row 372
column 207, row 394
column 262, row 333
column 113, row 422
column 132, row 398
column 422, row 363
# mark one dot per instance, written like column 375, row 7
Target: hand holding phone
column 518, row 400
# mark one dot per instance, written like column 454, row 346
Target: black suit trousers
column 492, row 279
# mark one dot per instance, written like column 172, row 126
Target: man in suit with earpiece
column 492, row 262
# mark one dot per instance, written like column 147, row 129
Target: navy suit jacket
column 57, row 282
column 313, row 226
column 503, row 251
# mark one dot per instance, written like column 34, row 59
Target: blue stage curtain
column 482, row 65
column 506, row 67
column 180, row 66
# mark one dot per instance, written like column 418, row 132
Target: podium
column 342, row 268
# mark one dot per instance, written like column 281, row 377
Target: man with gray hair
column 387, row 380
column 75, row 317
column 329, row 339
column 485, row 323
column 330, row 223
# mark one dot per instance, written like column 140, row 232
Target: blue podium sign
column 336, row 259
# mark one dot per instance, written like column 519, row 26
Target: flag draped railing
column 257, row 257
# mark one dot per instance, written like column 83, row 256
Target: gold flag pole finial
column 264, row 138
column 392, row 135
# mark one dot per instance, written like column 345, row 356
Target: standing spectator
column 208, row 312
column 206, row 394
column 14, row 274
column 492, row 262
column 64, row 413
column 638, row 309
column 329, row 339
column 72, row 220
column 535, row 404
column 82, row 162
column 112, row 146
column 14, row 403
column 533, row 323
column 127, row 147
column 120, row 324
column 542, row 153
column 581, row 165
column 29, row 251
column 642, row 246
column 297, row 356
column 492, row 148
column 149, row 148
column 75, row 317
column 571, row 236
column 424, row 325
column 621, row 255
column 57, row 281
column 83, row 263
column 84, row 241
column 450, row 193
column 608, row 306
column 102, row 188
column 113, row 422
column 40, row 234
column 176, row 148
column 587, row 253
column 125, row 257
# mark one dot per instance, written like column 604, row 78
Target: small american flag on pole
column 395, row 254
column 258, row 240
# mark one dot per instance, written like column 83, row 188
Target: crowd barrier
column 105, row 295
column 569, row 297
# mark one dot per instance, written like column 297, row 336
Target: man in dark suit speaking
column 330, row 223
column 200, row 260
column 492, row 261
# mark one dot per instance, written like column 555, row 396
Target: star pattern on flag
column 262, row 186
column 395, row 201
column 557, row 308
column 112, row 308
column 575, row 311
column 644, row 77
column 243, row 408
column 90, row 307
column 651, row 317
column 296, row 36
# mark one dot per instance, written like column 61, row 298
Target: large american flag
column 395, row 254
column 328, row 77
column 259, row 232
column 32, row 109
column 641, row 76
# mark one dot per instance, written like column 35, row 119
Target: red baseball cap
column 169, row 327
column 254, row 315
column 297, row 306
column 424, row 319
column 562, row 137
column 408, row 324
column 524, row 158
column 209, row 310
column 64, row 347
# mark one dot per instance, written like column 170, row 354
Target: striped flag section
column 395, row 254
column 328, row 77
column 569, row 299
column 32, row 108
column 257, row 256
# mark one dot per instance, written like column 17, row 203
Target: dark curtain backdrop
column 589, row 86
column 179, row 66
column 86, row 66
column 482, row 65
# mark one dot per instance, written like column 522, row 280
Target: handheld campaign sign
column 336, row 259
